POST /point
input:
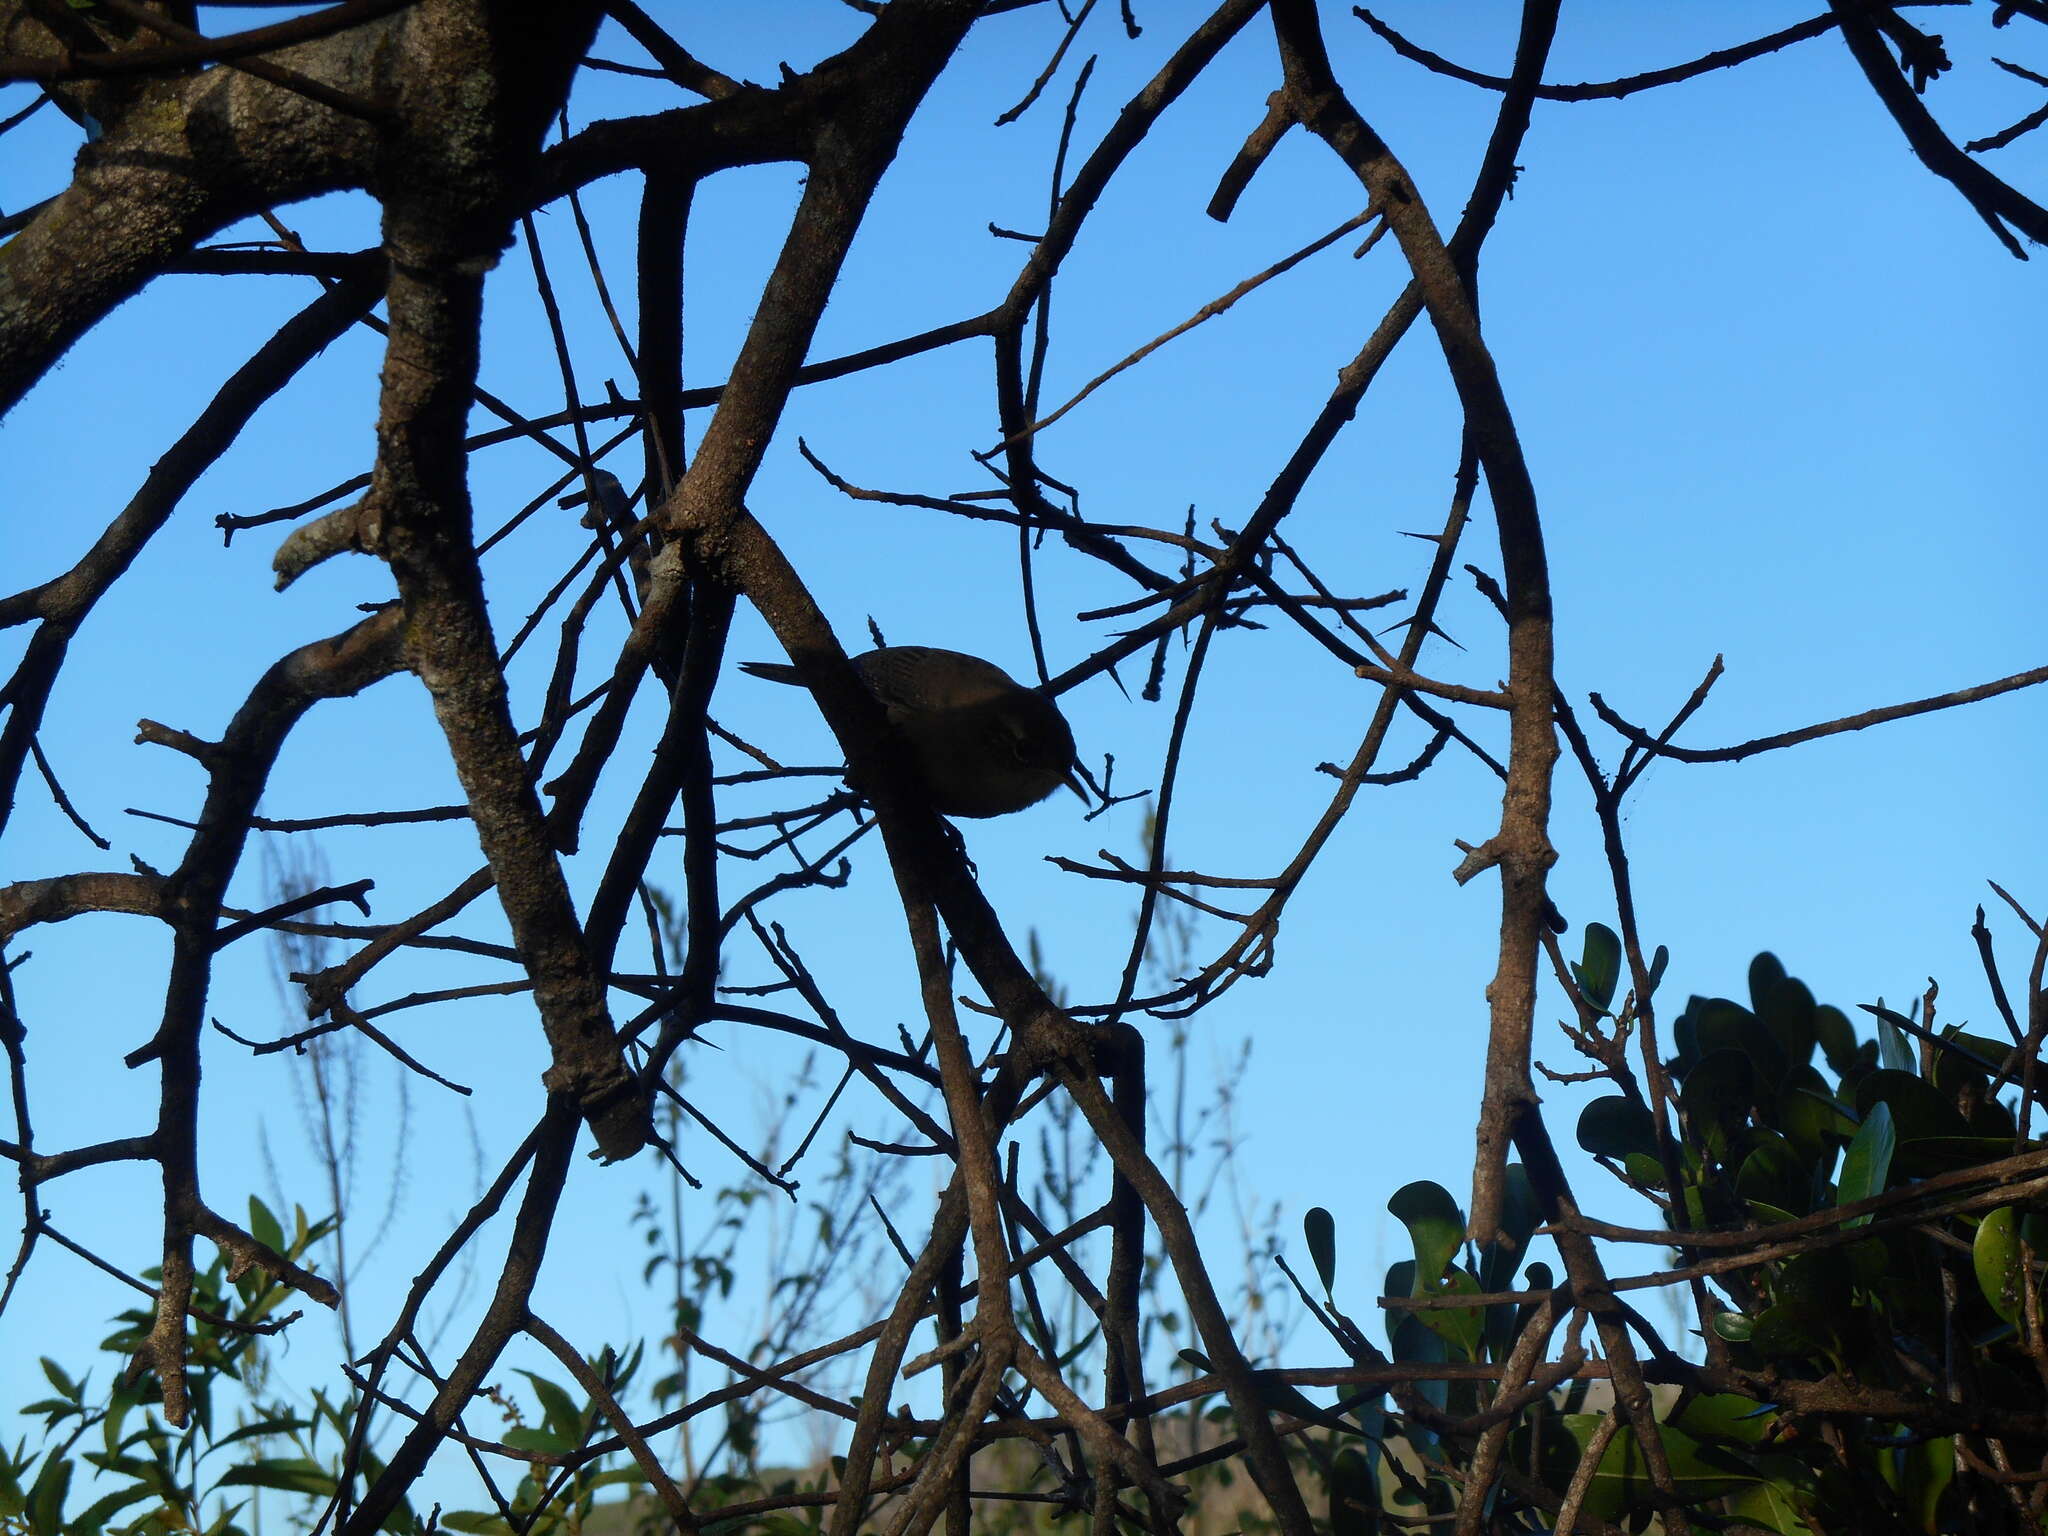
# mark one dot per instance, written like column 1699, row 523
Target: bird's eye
column 1018, row 740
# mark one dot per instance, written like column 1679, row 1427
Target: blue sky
column 1777, row 387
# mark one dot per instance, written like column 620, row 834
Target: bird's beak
column 1073, row 782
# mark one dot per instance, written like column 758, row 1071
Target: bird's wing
column 926, row 677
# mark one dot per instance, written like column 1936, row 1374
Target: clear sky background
column 1778, row 388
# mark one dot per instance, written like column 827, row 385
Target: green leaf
column 1928, row 1468
column 1733, row 1326
column 1685, row 1034
column 1617, row 1125
column 1986, row 1048
column 46, row 1496
column 1695, row 1204
column 475, row 1523
column 1771, row 1507
column 1718, row 1024
column 1996, row 1255
column 1989, row 1117
column 263, row 1226
column 529, row 1438
column 65, row 1386
column 1989, row 1053
column 1716, row 1097
column 1354, row 1494
column 558, row 1409
column 1924, row 1156
column 1622, row 1482
column 1781, row 1334
column 1644, row 1169
column 1810, row 1116
column 288, row 1474
column 94, row 1517
column 1775, row 1174
column 1918, row 1109
column 1658, row 961
column 1599, row 968
column 1372, row 1424
column 1962, row 1065
column 1725, row 1026
column 1869, row 1161
column 1787, row 1013
column 1814, row 1288
column 1411, row 1343
column 1519, row 1216
column 1870, row 1261
column 1893, row 1053
column 1435, row 1225
column 1320, row 1228
column 1459, row 1327
column 1536, row 1277
column 1725, row 1416
column 1837, row 1038
column 282, row 1426
column 1765, row 972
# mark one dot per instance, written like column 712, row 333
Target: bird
column 984, row 744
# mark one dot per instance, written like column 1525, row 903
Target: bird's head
column 1033, row 734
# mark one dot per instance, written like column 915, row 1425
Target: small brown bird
column 985, row 744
